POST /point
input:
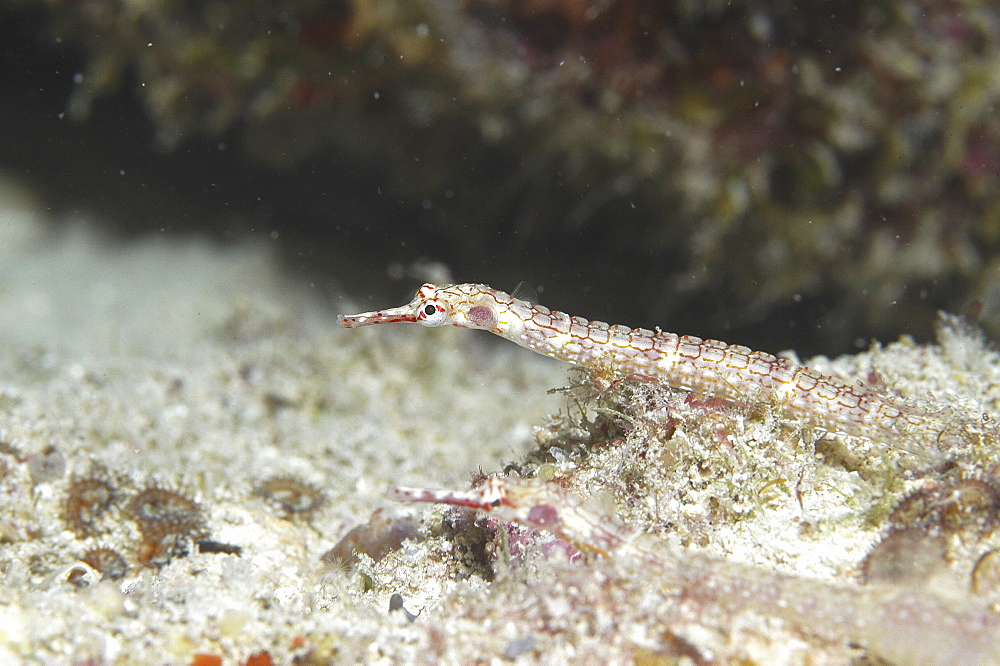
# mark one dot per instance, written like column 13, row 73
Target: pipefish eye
column 432, row 313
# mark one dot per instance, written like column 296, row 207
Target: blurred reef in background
column 770, row 173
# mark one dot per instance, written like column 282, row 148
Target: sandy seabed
column 200, row 376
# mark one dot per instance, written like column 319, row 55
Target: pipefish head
column 465, row 305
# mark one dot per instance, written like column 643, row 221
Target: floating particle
column 87, row 501
column 293, row 498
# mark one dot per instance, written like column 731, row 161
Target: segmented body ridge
column 723, row 592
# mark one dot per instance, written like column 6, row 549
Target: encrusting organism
column 949, row 506
column 169, row 523
column 291, row 497
column 691, row 364
column 160, row 511
column 87, row 502
column 107, row 561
